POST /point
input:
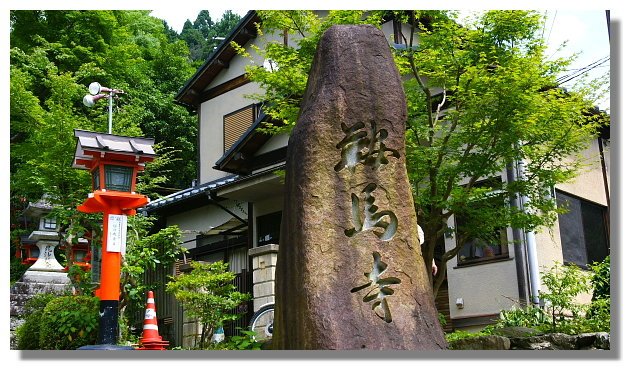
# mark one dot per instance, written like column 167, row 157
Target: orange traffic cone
column 150, row 339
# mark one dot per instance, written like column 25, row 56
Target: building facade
column 233, row 210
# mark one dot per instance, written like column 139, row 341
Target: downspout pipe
column 530, row 244
column 519, row 245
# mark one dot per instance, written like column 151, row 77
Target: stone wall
column 550, row 341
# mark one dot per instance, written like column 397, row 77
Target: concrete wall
column 589, row 184
column 202, row 218
column 485, row 288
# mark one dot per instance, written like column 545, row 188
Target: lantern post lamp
column 114, row 162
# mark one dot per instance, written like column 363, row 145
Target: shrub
column 246, row 341
column 601, row 279
column 564, row 283
column 69, row 322
column 599, row 313
column 207, row 293
column 529, row 316
column 28, row 334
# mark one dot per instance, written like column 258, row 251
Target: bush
column 601, row 279
column 208, row 294
column 28, row 334
column 17, row 269
column 564, row 283
column 529, row 317
column 246, row 341
column 69, row 322
column 599, row 313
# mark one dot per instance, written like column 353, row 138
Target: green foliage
column 145, row 252
column 599, row 313
column 28, row 334
column 598, row 318
column 442, row 319
column 529, row 316
column 51, row 65
column 564, row 283
column 480, row 97
column 81, row 280
column 601, row 279
column 204, row 35
column 246, row 341
column 207, row 293
column 561, row 312
column 69, row 322
column 460, row 335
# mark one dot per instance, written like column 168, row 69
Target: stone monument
column 350, row 274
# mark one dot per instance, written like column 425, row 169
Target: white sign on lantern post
column 117, row 231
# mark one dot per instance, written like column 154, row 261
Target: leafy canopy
column 482, row 97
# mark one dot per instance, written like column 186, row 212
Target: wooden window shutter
column 236, row 124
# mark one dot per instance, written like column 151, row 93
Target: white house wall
column 589, row 183
column 485, row 288
column 276, row 142
column 211, row 132
column 200, row 220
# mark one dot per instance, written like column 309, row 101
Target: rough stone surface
column 349, row 272
column 516, row 332
column 561, row 341
column 491, row 342
column 602, row 341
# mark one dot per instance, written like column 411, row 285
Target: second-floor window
column 583, row 230
column 482, row 247
column 236, row 124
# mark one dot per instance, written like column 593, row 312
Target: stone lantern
column 45, row 238
column 114, row 162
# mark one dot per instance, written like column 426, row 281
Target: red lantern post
column 114, row 162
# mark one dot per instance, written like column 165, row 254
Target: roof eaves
column 224, row 45
column 188, row 193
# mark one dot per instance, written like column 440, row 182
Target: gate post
column 263, row 260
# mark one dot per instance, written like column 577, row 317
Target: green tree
column 481, row 97
column 54, row 55
column 145, row 253
column 207, row 293
column 204, row 35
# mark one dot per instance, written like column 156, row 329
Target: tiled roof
column 92, row 141
column 189, row 193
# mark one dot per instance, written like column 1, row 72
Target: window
column 96, row 185
column 118, row 178
column 477, row 249
column 268, row 228
column 49, row 223
column 480, row 248
column 236, row 124
column 583, row 230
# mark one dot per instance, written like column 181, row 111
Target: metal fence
column 244, row 283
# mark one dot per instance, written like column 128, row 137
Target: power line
column 583, row 70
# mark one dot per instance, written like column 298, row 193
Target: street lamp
column 114, row 162
column 96, row 93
